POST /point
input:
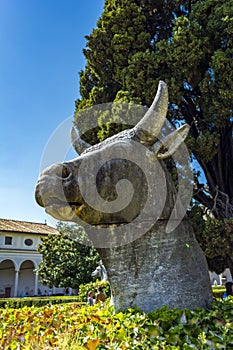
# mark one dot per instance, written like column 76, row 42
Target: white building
column 19, row 258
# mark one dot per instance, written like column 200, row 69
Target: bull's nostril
column 65, row 172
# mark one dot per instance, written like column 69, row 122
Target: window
column 8, row 240
column 28, row 242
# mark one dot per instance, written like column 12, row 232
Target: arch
column 27, row 263
column 7, row 278
column 10, row 260
column 26, row 283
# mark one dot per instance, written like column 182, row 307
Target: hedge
column 35, row 301
column 85, row 288
column 81, row 298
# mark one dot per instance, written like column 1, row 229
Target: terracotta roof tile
column 24, row 226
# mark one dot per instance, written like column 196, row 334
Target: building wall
column 19, row 241
column 18, row 262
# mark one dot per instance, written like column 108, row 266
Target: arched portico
column 27, row 279
column 19, row 257
column 18, row 278
column 7, row 278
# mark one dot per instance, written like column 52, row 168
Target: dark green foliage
column 66, row 261
column 215, row 237
column 189, row 44
column 126, row 31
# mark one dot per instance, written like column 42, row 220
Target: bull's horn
column 149, row 127
column 78, row 144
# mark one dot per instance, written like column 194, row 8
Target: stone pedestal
column 158, row 269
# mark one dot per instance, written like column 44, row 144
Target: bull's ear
column 78, row 144
column 167, row 146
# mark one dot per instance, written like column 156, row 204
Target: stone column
column 16, row 282
column 36, row 284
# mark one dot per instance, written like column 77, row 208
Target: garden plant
column 75, row 327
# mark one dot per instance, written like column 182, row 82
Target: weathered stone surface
column 158, row 269
column 124, row 195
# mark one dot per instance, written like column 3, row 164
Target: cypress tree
column 189, row 45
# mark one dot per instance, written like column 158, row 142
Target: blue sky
column 41, row 56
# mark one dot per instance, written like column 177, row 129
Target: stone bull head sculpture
column 123, row 194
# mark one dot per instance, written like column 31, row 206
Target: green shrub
column 85, row 288
column 71, row 327
column 218, row 291
column 35, row 301
column 82, row 297
column 218, row 294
